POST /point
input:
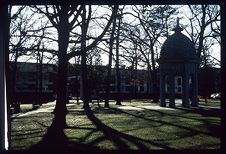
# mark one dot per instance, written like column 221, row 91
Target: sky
column 183, row 21
column 184, row 11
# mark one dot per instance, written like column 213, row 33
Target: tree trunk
column 201, row 34
column 40, row 79
column 83, row 88
column 132, row 77
column 36, row 82
column 154, row 77
column 149, row 78
column 136, row 64
column 118, row 75
column 63, row 38
column 108, row 81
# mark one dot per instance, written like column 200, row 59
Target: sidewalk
column 49, row 109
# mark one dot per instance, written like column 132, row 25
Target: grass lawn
column 116, row 128
column 210, row 102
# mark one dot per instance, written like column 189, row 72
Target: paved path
column 140, row 108
column 49, row 109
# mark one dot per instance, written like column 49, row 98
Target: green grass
column 29, row 107
column 25, row 108
column 210, row 102
column 154, row 129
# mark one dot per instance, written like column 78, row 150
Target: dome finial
column 178, row 28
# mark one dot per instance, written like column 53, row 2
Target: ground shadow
column 118, row 138
column 204, row 111
column 56, row 140
column 211, row 133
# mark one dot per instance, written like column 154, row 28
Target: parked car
column 215, row 95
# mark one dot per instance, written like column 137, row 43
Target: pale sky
column 215, row 48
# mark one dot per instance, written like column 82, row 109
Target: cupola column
column 185, row 91
column 162, row 90
column 195, row 89
column 171, row 90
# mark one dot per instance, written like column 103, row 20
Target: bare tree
column 83, row 83
column 108, row 79
column 204, row 27
column 20, row 22
column 153, row 21
column 204, row 31
column 59, row 17
column 118, row 75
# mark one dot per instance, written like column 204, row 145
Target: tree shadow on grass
column 56, row 140
column 119, row 138
column 210, row 133
column 207, row 112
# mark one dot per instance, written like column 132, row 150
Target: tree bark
column 36, row 82
column 118, row 75
column 84, row 90
column 40, row 79
column 63, row 37
column 154, row 77
column 108, row 80
column 202, row 29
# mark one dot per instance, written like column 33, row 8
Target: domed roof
column 178, row 46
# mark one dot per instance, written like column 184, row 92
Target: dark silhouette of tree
column 10, row 80
column 118, row 75
column 108, row 78
column 83, row 84
column 59, row 17
column 39, row 77
column 20, row 39
column 154, row 22
column 151, row 20
column 60, row 20
column 204, row 27
column 204, row 30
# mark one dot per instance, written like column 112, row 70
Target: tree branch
column 94, row 43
